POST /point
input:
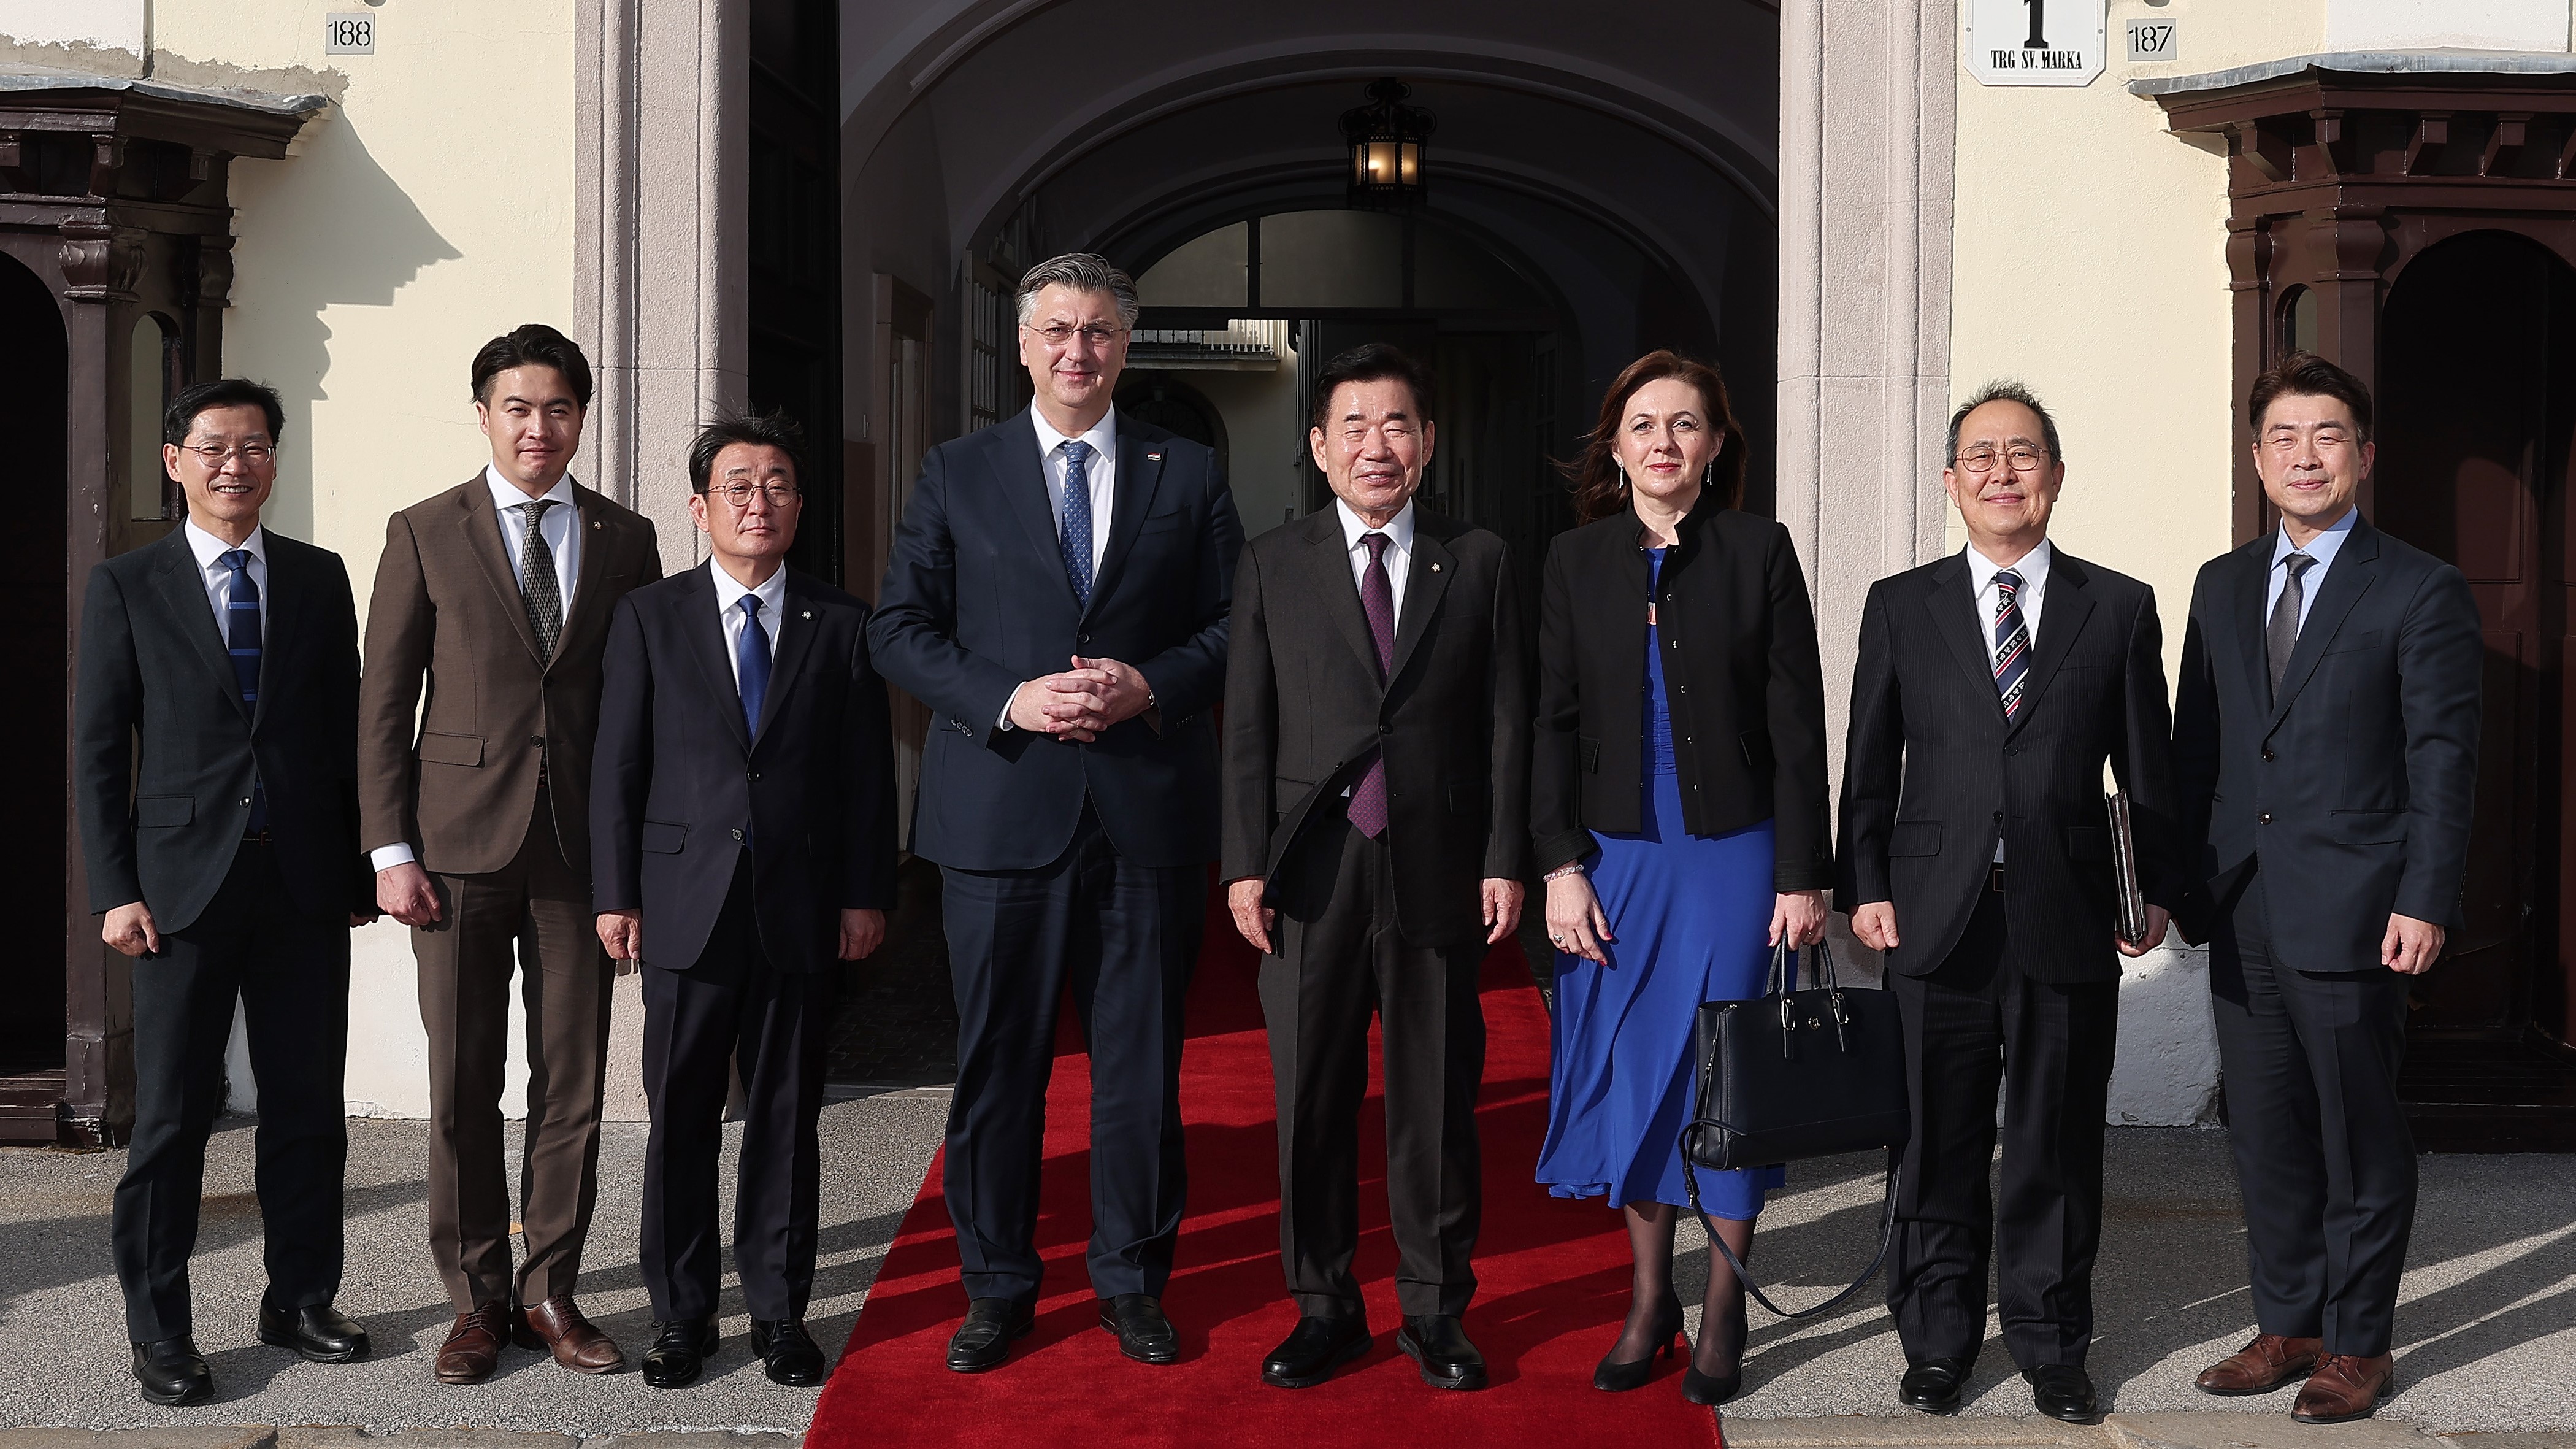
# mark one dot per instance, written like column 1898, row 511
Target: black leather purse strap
column 1886, row 1236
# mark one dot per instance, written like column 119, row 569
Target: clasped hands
column 1082, row 702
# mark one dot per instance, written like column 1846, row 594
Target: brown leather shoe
column 557, row 1326
column 2344, row 1388
column 2261, row 1366
column 473, row 1347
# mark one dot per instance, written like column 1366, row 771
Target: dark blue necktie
column 2012, row 642
column 751, row 663
column 1075, row 536
column 241, row 640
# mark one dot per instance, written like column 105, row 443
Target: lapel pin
column 594, row 523
column 1435, row 568
column 806, row 614
column 1153, row 457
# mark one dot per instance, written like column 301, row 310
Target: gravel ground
column 2487, row 1333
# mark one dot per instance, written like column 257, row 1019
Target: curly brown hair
column 1601, row 488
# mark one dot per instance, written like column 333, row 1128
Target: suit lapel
column 706, row 644
column 1140, row 468
column 795, row 641
column 589, row 537
column 2067, row 606
column 1426, row 580
column 1952, row 602
column 1333, row 584
column 2253, row 569
column 183, row 590
column 282, row 608
column 1021, row 470
column 2355, row 568
column 481, row 524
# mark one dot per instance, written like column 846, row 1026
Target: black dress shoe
column 787, row 1353
column 1144, row 1334
column 2062, row 1391
column 679, row 1351
column 984, row 1339
column 1437, row 1343
column 1313, row 1349
column 320, row 1332
column 172, row 1372
column 1933, row 1385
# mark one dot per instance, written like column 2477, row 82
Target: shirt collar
column 209, row 549
column 2323, row 547
column 1103, row 436
column 1398, row 528
column 2033, row 568
column 507, row 495
column 729, row 591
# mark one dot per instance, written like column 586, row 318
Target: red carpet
column 1552, row 1282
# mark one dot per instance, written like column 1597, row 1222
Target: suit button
column 752, row 775
column 1999, row 817
column 1385, row 729
column 2263, row 819
column 536, row 742
column 2269, row 757
column 1082, row 639
column 2012, row 749
column 737, row 835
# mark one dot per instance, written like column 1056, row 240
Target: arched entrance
column 35, row 415
column 2478, row 409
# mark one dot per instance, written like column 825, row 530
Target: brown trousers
column 534, row 912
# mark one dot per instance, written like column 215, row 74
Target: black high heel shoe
column 1712, row 1390
column 1613, row 1376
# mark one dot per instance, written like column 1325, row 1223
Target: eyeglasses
column 1981, row 461
column 1098, row 334
column 251, row 454
column 778, row 495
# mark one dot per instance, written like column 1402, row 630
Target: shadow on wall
column 332, row 229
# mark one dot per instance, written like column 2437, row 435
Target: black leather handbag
column 1793, row 1075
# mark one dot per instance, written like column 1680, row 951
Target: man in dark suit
column 2326, row 744
column 1990, row 689
column 495, row 596
column 1377, row 739
column 217, row 789
column 1057, row 595
column 744, row 784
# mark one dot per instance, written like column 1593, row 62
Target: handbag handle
column 1781, row 981
column 1886, row 1236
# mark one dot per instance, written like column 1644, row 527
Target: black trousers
column 2327, row 1168
column 290, row 972
column 1341, row 958
column 731, row 1007
column 1977, row 1021
column 1123, row 937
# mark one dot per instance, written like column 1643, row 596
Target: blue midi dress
column 1692, row 914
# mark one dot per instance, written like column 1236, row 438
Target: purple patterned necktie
column 1377, row 600
column 2012, row 642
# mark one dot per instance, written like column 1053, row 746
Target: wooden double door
column 2477, row 411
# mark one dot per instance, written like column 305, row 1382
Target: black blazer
column 976, row 601
column 1932, row 775
column 2355, row 788
column 1742, row 681
column 678, row 789
column 164, row 752
column 1305, row 712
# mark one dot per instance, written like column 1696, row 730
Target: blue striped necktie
column 1075, row 536
column 2012, row 642
column 241, row 640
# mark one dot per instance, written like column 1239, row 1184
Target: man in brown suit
column 497, row 593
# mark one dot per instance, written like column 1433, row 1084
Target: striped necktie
column 2012, row 642
column 241, row 640
column 1075, row 536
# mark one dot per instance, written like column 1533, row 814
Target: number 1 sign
column 2034, row 42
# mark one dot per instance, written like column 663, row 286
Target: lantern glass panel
column 1411, row 171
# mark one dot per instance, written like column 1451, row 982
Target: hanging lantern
column 1386, row 140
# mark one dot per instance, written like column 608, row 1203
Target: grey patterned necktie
column 537, row 584
column 2283, row 635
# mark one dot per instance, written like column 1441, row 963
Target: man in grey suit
column 1377, row 738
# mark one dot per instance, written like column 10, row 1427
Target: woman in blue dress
column 1678, row 804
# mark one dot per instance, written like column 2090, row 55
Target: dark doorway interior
column 34, row 400
column 795, row 252
column 2479, row 406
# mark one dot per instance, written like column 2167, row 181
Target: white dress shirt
column 2322, row 548
column 561, row 529
column 729, row 594
column 217, row 576
column 1101, row 470
column 2032, row 597
column 1399, row 553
